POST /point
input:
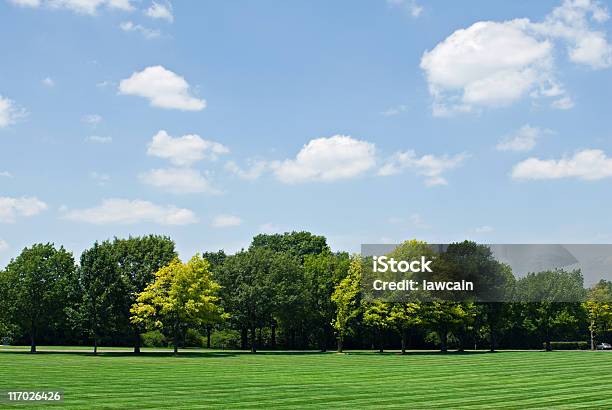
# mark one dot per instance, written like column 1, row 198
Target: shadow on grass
column 237, row 353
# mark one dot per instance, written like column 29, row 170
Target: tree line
column 286, row 291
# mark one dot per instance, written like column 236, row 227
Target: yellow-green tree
column 182, row 295
column 598, row 307
column 346, row 299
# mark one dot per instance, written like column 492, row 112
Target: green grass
column 310, row 380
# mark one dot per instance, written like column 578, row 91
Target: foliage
column 182, row 294
column 346, row 299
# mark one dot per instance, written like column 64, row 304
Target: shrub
column 225, row 339
column 193, row 338
column 568, row 345
column 154, row 338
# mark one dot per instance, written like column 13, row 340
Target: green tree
column 101, row 290
column 249, row 290
column 403, row 317
column 445, row 317
column 598, row 307
column 138, row 259
column 322, row 274
column 37, row 282
column 298, row 244
column 551, row 301
column 376, row 314
column 182, row 295
column 346, row 299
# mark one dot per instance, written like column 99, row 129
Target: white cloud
column 571, row 22
column 327, row 159
column 125, row 211
column 430, row 166
column 393, row 111
column 225, row 221
column 487, row 64
column 26, row 3
column 484, row 229
column 163, row 88
column 588, row 164
column 185, row 150
column 563, row 103
column 6, row 174
column 96, row 139
column 89, row 7
column 11, row 208
column 178, row 180
column 9, row 112
column 146, row 32
column 48, row 82
column 492, row 64
column 411, row 6
column 92, row 119
column 160, row 11
column 524, row 139
column 254, row 170
column 3, row 245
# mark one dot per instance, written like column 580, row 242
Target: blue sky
column 372, row 121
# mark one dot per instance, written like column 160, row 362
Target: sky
column 367, row 122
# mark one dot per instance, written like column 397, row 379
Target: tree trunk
column 95, row 345
column 32, row 338
column 208, row 331
column 444, row 340
column 175, row 342
column 136, row 340
column 493, row 338
column 259, row 338
column 243, row 338
column 380, row 341
column 253, row 341
column 592, row 334
column 340, row 343
column 273, row 332
column 403, row 332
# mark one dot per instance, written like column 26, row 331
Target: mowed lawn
column 314, row 380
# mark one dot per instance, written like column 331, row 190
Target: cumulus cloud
column 588, row 164
column 185, row 150
column 163, row 88
column 12, row 208
column 492, row 64
column 146, row 32
column 6, row 174
column 125, row 211
column 524, row 139
column 178, row 180
column 3, row 245
column 431, row 166
column 96, row 139
column 9, row 112
column 254, row 169
column 90, row 7
column 160, row 11
column 225, row 221
column 327, row 159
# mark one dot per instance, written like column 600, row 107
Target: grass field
column 313, row 380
